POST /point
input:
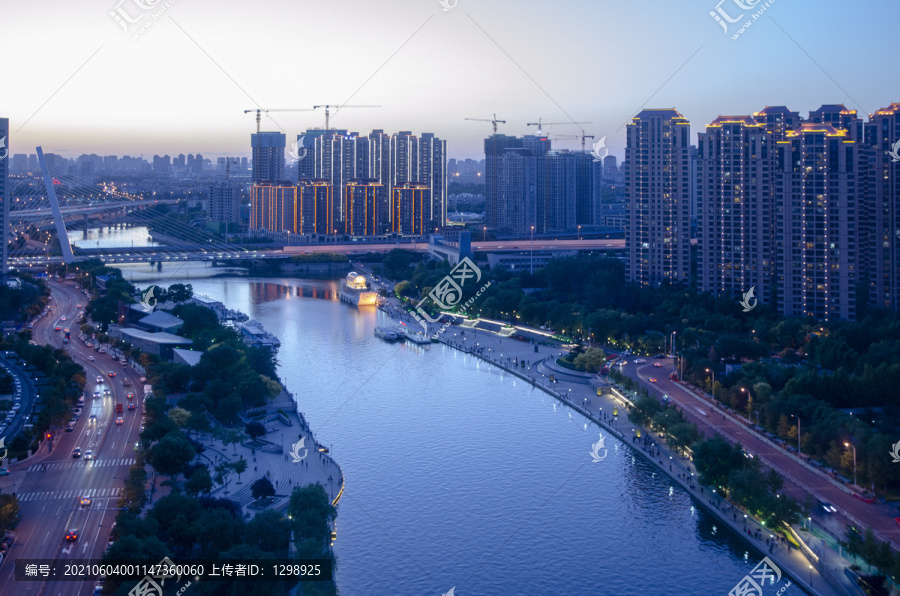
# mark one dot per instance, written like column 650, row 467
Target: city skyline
column 192, row 82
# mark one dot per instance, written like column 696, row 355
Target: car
column 4, row 471
column 99, row 379
column 131, row 406
column 62, row 318
column 77, row 452
column 142, row 427
column 92, row 419
column 70, row 426
column 96, row 394
column 129, row 395
column 77, row 306
column 111, row 374
column 66, row 330
column 660, row 356
column 826, row 507
column 98, row 591
column 657, row 364
column 71, row 535
column 106, row 392
column 84, row 501
column 88, row 454
column 77, row 411
column 57, row 328
column 91, row 358
column 120, row 420
column 652, row 380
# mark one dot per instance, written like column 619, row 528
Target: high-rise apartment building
column 224, row 204
column 817, row 235
column 315, row 210
column 267, row 150
column 272, row 206
column 162, row 165
column 735, row 208
column 778, row 120
column 495, row 148
column 363, row 202
column 410, row 204
column 881, row 215
column 658, row 191
column 4, row 193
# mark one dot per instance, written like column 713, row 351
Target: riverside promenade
column 818, row 573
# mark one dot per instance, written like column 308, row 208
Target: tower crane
column 339, row 107
column 540, row 124
column 259, row 112
column 494, row 121
column 573, row 137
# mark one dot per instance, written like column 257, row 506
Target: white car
column 91, row 358
column 99, row 379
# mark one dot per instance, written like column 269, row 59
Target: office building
column 658, row 191
column 735, row 208
column 267, row 150
column 224, row 204
column 363, row 203
column 315, row 212
column 410, row 216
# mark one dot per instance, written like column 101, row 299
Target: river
column 460, row 475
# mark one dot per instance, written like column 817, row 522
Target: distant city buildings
column 465, row 171
column 267, row 149
column 531, row 188
column 224, row 204
column 4, row 192
column 658, row 191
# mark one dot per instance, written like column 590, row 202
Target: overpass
column 162, row 254
column 39, row 214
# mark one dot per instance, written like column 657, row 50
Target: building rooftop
column 161, row 319
column 192, row 357
column 159, row 337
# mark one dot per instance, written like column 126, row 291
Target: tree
column 715, row 459
column 199, row 482
column 232, row 437
column 179, row 416
column 262, row 488
column 590, row 360
column 217, row 530
column 223, row 471
column 255, row 429
column 311, row 510
column 240, row 466
column 230, row 407
column 179, row 293
column 171, row 454
column 268, row 530
column 9, row 512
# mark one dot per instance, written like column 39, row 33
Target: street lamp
column 798, row 432
column 713, row 373
column 854, row 459
column 749, row 405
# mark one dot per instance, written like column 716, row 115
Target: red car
column 57, row 328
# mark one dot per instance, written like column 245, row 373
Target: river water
column 460, row 475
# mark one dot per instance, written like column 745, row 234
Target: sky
column 75, row 81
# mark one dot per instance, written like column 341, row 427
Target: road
column 24, row 388
column 49, row 486
column 799, row 479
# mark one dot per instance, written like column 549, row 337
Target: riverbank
column 511, row 355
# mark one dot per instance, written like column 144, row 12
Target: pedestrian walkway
column 94, row 463
column 93, row 493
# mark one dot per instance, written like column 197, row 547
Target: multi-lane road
column 800, row 480
column 50, row 486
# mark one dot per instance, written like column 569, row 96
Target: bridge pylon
column 64, row 244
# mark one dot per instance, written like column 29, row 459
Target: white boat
column 418, row 337
column 386, row 334
column 355, row 290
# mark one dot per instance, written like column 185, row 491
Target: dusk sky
column 182, row 86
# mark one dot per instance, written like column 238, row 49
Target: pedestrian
column 254, row 468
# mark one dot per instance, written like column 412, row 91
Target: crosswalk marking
column 94, row 493
column 94, row 463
